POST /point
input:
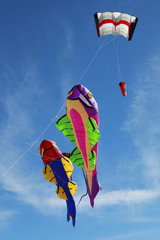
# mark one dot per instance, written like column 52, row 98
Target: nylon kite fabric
column 80, row 125
column 123, row 88
column 58, row 170
column 115, row 23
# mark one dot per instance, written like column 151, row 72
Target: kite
column 80, row 125
column 123, row 88
column 58, row 169
column 115, row 23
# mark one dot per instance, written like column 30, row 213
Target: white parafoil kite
column 115, row 23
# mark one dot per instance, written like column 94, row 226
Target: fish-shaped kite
column 80, row 125
column 58, row 169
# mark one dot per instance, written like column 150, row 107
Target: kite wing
column 80, row 125
column 115, row 23
column 65, row 126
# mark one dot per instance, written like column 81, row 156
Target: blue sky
column 46, row 48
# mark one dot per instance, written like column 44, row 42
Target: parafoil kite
column 80, row 125
column 58, row 169
column 115, row 23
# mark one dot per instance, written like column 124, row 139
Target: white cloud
column 18, row 128
column 134, row 235
column 31, row 190
column 123, row 198
column 17, row 121
column 127, row 197
column 5, row 216
column 144, row 120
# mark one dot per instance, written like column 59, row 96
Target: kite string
column 89, row 65
column 86, row 188
column 27, row 150
column 118, row 65
column 92, row 60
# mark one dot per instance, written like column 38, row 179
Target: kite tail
column 95, row 189
column 71, row 211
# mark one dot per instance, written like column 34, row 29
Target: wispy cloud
column 144, row 119
column 69, row 43
column 127, row 198
column 17, row 122
column 16, row 129
column 32, row 190
column 134, row 235
column 20, row 106
column 67, row 53
column 5, row 216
